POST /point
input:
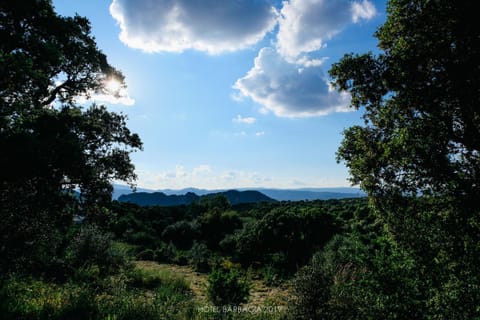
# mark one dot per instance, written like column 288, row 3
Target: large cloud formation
column 285, row 78
column 288, row 89
column 206, row 25
column 304, row 25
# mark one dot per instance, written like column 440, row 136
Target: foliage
column 199, row 257
column 285, row 237
column 151, row 279
column 34, row 299
column 215, row 224
column 169, row 298
column 51, row 145
column 420, row 99
column 227, row 287
column 93, row 247
column 350, row 280
column 182, row 233
column 418, row 153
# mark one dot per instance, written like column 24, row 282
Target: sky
column 233, row 93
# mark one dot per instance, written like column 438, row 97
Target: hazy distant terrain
column 161, row 199
column 276, row 194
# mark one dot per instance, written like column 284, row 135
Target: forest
column 409, row 250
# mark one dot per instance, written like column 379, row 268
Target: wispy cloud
column 201, row 176
column 123, row 99
column 246, row 120
column 208, row 177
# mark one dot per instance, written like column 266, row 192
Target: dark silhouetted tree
column 50, row 144
column 421, row 102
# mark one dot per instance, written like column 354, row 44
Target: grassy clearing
column 135, row 294
column 260, row 293
column 147, row 291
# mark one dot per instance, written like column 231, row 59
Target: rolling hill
column 161, row 199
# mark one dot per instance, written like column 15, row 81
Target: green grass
column 138, row 294
column 147, row 278
column 147, row 291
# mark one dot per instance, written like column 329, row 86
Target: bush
column 93, row 247
column 164, row 252
column 227, row 287
column 31, row 299
column 349, row 280
column 285, row 237
column 181, row 233
column 270, row 276
column 198, row 257
column 147, row 254
column 27, row 298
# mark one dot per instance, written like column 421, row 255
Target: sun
column 113, row 85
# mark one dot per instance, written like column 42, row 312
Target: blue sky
column 233, row 93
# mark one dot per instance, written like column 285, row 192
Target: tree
column 421, row 102
column 50, row 143
column 421, row 137
column 349, row 279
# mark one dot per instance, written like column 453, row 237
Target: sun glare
column 113, row 85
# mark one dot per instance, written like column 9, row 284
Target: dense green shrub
column 285, row 237
column 350, row 280
column 228, row 287
column 199, row 257
column 93, row 247
column 181, row 233
column 165, row 252
column 215, row 224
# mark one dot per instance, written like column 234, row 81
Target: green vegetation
column 409, row 251
column 227, row 287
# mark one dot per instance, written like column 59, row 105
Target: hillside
column 276, row 194
column 161, row 199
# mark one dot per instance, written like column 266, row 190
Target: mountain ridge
column 162, row 199
column 276, row 194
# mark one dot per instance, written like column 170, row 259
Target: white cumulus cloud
column 209, row 25
column 305, row 25
column 288, row 89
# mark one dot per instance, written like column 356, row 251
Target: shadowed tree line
column 418, row 158
column 51, row 144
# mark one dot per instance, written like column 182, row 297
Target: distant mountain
column 200, row 192
column 161, row 199
column 158, row 199
column 318, row 194
column 248, row 196
column 276, row 194
column 120, row 189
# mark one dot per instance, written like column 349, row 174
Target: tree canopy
column 418, row 152
column 421, row 100
column 51, row 144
